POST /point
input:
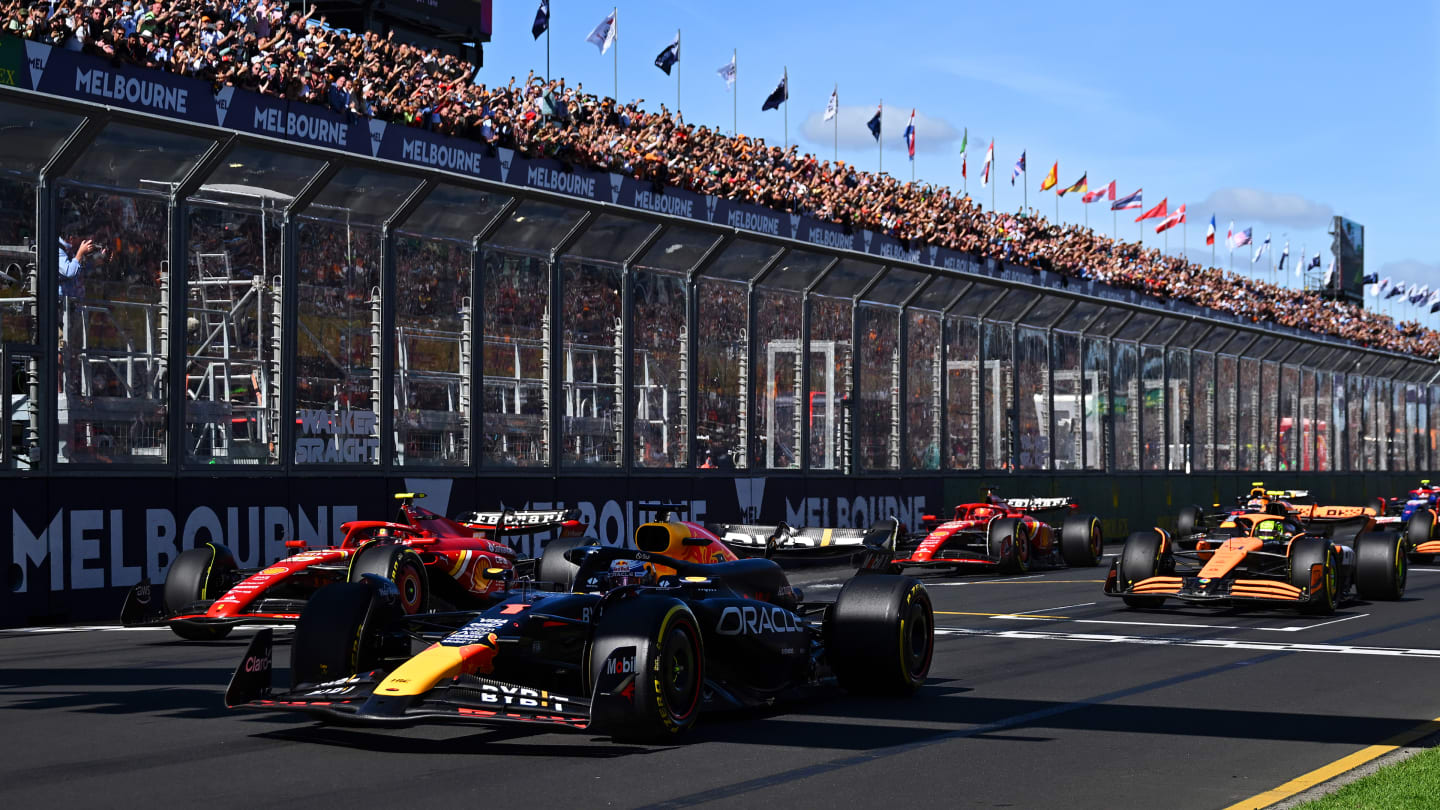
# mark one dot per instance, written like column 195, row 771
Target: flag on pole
column 1128, row 201
column 1157, row 211
column 1382, row 286
column 1052, row 178
column 1434, row 302
column 604, row 34
column 542, row 19
column 1372, row 278
column 1019, row 167
column 778, row 96
column 833, row 108
column 964, row 142
column 909, row 134
column 1101, row 193
column 1172, row 220
column 874, row 123
column 1210, row 231
column 1300, row 265
column 1416, row 296
column 669, row 56
column 1230, row 235
column 989, row 158
column 1261, row 250
column 1080, row 185
column 1330, row 274
column 1284, row 254
column 1396, row 289
column 1372, row 289
column 1314, row 262
column 1240, row 238
column 727, row 72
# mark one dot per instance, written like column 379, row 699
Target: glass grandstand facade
column 250, row 305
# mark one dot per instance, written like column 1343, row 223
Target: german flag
column 1080, row 186
column 1051, row 179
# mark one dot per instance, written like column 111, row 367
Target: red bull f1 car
column 432, row 561
column 1312, row 561
column 640, row 644
column 1012, row 535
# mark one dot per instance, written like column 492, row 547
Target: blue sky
column 1275, row 114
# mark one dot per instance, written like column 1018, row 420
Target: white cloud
column 1246, row 205
column 931, row 134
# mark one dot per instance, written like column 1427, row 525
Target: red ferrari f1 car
column 430, row 558
column 1011, row 534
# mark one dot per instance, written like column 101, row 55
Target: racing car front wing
column 1200, row 590
column 464, row 699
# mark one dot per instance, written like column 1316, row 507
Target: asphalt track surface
column 1043, row 693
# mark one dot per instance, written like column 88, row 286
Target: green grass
column 1414, row 783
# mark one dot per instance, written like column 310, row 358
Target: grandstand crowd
column 258, row 45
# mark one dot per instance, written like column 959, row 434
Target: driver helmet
column 1270, row 531
column 383, row 531
column 631, row 572
column 1258, row 504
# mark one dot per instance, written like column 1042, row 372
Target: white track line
column 110, row 628
column 985, row 581
column 1210, row 643
column 1040, row 610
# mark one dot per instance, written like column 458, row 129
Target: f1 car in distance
column 429, row 558
column 1312, row 563
column 637, row 648
column 1191, row 522
column 1011, row 534
column 1424, row 496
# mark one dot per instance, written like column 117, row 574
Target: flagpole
column 735, row 120
column 547, row 44
column 880, row 142
column 836, row 93
column 677, row 72
column 1057, row 207
column 615, row 11
column 785, row 76
column 992, row 170
column 1025, row 186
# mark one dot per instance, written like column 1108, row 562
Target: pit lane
column 1043, row 693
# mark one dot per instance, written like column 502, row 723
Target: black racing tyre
column 1305, row 553
column 553, row 567
column 198, row 574
column 1188, row 521
column 880, row 635
column 658, row 640
column 1142, row 557
column 343, row 631
column 1009, row 540
column 1420, row 528
column 1380, row 566
column 1376, row 504
column 1082, row 543
column 401, row 566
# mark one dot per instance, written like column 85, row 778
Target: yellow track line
column 1324, row 773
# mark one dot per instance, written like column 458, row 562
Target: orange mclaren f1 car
column 1313, row 561
column 432, row 560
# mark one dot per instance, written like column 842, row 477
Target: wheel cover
column 680, row 673
column 1401, row 567
column 411, row 591
column 917, row 643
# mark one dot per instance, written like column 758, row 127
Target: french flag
column 1128, row 201
column 910, row 135
column 1210, row 231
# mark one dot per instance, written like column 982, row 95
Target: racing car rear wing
column 1041, row 504
column 1315, row 513
column 871, row 549
column 519, row 521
